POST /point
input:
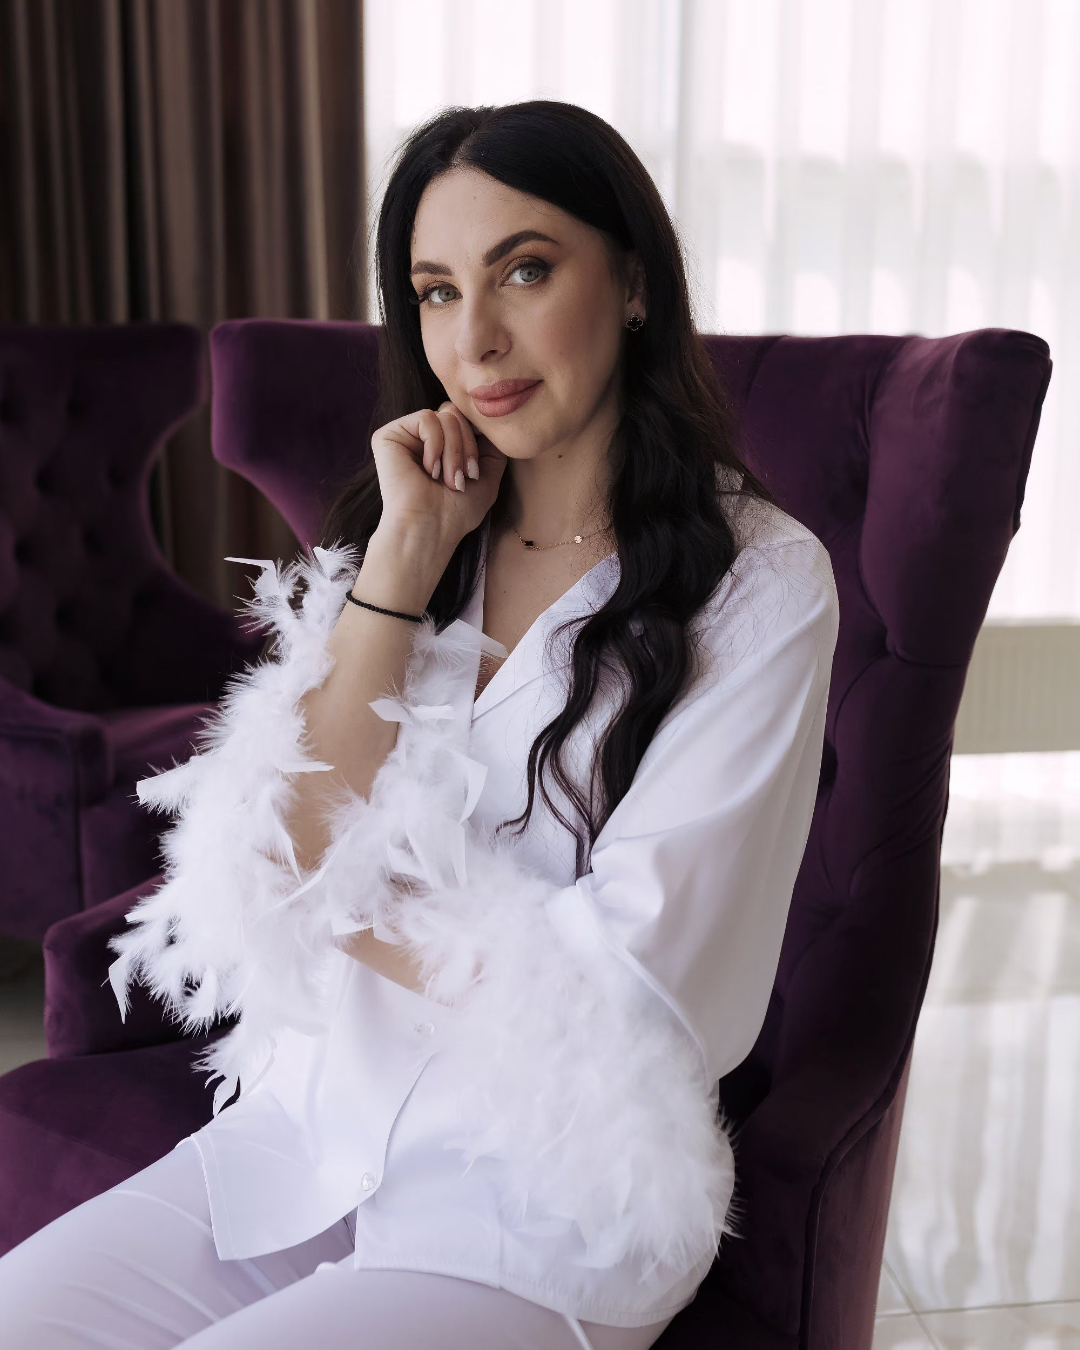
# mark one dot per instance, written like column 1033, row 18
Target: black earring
column 634, row 322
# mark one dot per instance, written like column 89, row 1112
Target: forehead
column 464, row 212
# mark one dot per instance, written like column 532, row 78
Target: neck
column 561, row 492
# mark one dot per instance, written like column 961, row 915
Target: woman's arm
column 236, row 925
column 401, row 568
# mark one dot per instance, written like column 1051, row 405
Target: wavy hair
column 676, row 432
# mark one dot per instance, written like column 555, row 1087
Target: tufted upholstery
column 106, row 658
column 908, row 458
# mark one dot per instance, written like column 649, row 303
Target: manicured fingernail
column 459, row 481
column 436, row 468
column 472, row 468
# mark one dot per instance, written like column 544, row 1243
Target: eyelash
column 545, row 270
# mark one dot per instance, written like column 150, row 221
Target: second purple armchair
column 107, row 660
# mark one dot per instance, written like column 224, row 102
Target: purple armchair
column 107, row 660
column 908, row 458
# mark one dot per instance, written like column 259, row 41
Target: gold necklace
column 577, row 539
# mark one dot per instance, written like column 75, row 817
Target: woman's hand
column 421, row 460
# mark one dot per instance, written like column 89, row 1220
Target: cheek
column 579, row 332
column 439, row 350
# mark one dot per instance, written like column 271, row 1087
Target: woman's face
column 519, row 295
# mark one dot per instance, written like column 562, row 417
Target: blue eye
column 434, row 295
column 539, row 268
column 535, row 265
column 432, row 291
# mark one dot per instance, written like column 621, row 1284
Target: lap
column 340, row 1308
column 137, row 1266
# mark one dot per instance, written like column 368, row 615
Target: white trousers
column 136, row 1269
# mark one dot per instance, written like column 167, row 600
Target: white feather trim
column 221, row 935
column 574, row 1073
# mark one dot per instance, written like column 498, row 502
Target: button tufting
column 367, row 1181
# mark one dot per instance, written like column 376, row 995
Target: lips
column 505, row 396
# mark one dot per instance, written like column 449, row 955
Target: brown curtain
column 184, row 159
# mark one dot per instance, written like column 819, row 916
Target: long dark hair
column 676, row 433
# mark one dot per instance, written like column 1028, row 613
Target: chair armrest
column 49, row 753
column 53, row 764
column 81, row 1013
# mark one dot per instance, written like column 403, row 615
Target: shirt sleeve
column 693, row 873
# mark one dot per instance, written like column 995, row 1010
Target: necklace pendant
column 528, row 543
column 577, row 538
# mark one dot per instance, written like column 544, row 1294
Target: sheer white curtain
column 833, row 166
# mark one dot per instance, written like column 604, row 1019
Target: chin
column 516, row 447
column 525, row 441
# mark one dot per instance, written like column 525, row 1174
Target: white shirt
column 686, row 902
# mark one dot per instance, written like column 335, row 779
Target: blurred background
column 833, row 166
column 884, row 166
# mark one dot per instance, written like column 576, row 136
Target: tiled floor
column 983, row 1248
column 22, row 995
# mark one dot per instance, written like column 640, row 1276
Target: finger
column 429, row 428
column 469, row 446
column 420, row 433
column 469, row 451
column 453, row 466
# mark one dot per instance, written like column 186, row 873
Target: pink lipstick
column 505, row 396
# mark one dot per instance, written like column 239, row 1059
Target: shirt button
column 367, row 1181
column 426, row 1028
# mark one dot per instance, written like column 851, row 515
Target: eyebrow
column 493, row 255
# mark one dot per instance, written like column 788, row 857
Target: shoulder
column 768, row 539
column 774, row 547
column 779, row 591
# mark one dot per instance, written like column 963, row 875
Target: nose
column 481, row 333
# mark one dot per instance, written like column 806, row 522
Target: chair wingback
column 907, row 457
column 292, row 407
column 90, row 616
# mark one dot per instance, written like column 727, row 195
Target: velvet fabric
column 107, row 660
column 908, row 458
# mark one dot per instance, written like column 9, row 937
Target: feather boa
column 574, row 1074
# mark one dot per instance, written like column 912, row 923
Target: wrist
column 402, row 566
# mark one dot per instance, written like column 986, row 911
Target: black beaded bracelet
column 413, row 618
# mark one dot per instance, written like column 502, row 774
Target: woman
column 494, row 858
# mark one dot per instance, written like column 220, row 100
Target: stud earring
column 634, row 322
